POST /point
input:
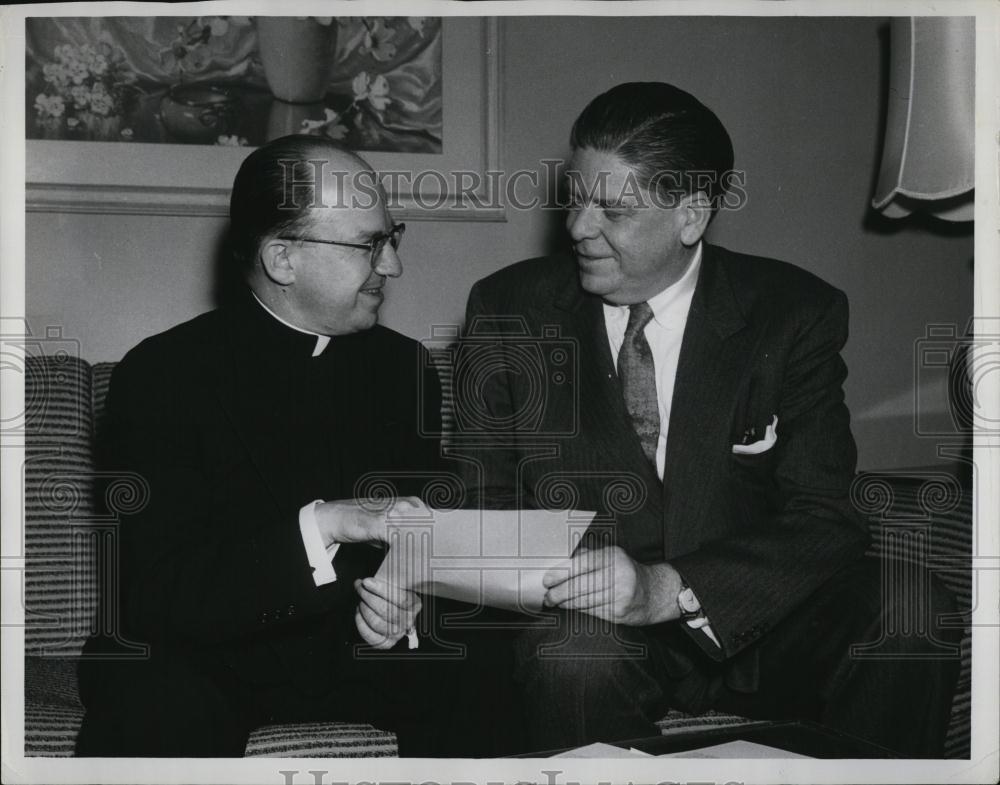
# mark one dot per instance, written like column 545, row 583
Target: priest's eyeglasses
column 375, row 246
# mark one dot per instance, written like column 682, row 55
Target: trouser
column 177, row 705
column 584, row 682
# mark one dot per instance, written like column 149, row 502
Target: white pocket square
column 765, row 444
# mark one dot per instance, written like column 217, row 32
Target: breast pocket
column 753, row 486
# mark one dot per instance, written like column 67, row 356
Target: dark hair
column 667, row 135
column 274, row 189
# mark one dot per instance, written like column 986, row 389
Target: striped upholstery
column 52, row 709
column 65, row 397
column 679, row 722
column 51, row 681
column 443, row 361
column 958, row 744
column 50, row 731
column 926, row 518
column 321, row 740
column 60, row 581
column 101, row 373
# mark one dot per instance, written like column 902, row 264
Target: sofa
column 70, row 547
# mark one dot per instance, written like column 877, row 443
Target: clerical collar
column 321, row 340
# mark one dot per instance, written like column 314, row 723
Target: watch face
column 688, row 601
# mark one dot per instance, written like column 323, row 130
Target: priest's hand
column 361, row 520
column 609, row 584
column 385, row 613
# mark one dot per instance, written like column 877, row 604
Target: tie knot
column 639, row 315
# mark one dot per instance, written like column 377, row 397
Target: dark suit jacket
column 753, row 535
column 234, row 426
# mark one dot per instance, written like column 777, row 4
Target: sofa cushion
column 60, row 581
column 50, row 731
column 957, row 743
column 51, row 681
column 680, row 722
column 321, row 740
column 101, row 381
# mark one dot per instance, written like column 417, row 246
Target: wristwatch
column 688, row 603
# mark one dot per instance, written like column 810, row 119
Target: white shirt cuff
column 320, row 556
column 701, row 623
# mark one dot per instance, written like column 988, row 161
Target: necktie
column 635, row 369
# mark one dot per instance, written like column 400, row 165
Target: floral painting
column 373, row 83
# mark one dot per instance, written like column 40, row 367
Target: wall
column 801, row 99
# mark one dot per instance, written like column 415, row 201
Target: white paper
column 601, row 750
column 735, row 749
column 483, row 557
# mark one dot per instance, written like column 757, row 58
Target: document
column 730, row 749
column 736, row 749
column 483, row 557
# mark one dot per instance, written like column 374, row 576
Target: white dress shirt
column 664, row 334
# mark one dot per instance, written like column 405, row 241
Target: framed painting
column 153, row 115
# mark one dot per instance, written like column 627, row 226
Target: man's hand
column 609, row 584
column 354, row 520
column 383, row 615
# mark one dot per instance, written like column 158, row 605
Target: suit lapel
column 715, row 353
column 603, row 416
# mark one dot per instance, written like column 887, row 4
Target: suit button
column 291, row 610
column 263, row 617
column 277, row 614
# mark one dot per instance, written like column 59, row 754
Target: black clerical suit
column 235, row 426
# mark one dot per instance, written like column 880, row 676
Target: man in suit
column 699, row 410
column 254, row 427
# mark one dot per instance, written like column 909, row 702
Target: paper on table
column 601, row 750
column 735, row 749
column 488, row 557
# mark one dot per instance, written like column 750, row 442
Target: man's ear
column 275, row 257
column 696, row 213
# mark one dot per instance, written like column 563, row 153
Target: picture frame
column 195, row 180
